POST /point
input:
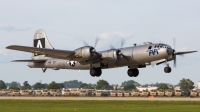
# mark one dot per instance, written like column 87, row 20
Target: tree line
column 184, row 84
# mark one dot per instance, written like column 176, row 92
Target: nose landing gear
column 167, row 69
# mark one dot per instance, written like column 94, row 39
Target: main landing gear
column 95, row 72
column 167, row 69
column 133, row 72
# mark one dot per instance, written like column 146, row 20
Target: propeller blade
column 186, row 52
column 96, row 41
column 179, row 53
column 175, row 61
column 85, row 43
column 174, row 41
column 152, row 65
column 111, row 46
column 122, row 42
column 174, row 54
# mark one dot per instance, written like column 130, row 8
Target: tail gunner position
column 44, row 56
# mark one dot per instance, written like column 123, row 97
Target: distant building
column 114, row 86
column 177, row 88
column 198, row 87
column 149, row 88
column 120, row 87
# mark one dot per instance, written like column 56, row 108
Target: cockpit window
column 169, row 47
column 161, row 46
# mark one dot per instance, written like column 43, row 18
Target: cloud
column 10, row 28
column 3, row 52
column 113, row 38
column 3, row 56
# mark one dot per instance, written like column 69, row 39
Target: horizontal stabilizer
column 36, row 61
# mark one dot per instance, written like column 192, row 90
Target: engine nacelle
column 111, row 55
column 170, row 58
column 84, row 52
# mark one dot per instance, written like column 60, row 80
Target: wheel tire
column 130, row 72
column 99, row 72
column 167, row 69
column 93, row 72
column 136, row 72
column 133, row 72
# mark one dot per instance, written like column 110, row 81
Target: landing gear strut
column 167, row 69
column 95, row 72
column 44, row 70
column 133, row 72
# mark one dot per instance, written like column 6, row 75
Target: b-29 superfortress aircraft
column 44, row 56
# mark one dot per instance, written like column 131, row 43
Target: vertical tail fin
column 41, row 41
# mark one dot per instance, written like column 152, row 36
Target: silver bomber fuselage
column 136, row 56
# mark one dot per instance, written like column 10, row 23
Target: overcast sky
column 68, row 22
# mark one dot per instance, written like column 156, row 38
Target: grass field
column 98, row 106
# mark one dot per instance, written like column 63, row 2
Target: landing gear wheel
column 133, row 72
column 167, row 69
column 99, row 72
column 95, row 72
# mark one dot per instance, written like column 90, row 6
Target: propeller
column 85, row 43
column 111, row 46
column 178, row 53
column 122, row 42
column 96, row 41
column 119, row 53
column 95, row 44
column 174, row 55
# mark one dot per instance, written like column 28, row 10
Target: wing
column 54, row 53
column 31, row 60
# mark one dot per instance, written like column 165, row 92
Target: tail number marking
column 39, row 43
